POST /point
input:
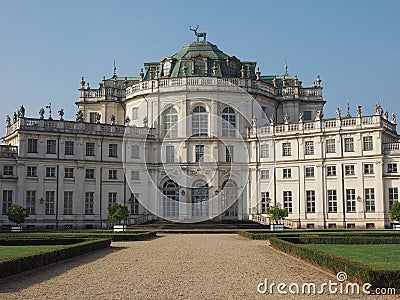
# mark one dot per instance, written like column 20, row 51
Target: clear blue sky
column 46, row 46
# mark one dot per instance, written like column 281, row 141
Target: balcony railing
column 8, row 151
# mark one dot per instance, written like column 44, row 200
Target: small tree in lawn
column 395, row 212
column 117, row 213
column 17, row 214
column 276, row 214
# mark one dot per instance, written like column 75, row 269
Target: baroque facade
column 201, row 135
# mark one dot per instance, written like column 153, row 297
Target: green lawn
column 382, row 256
column 8, row 251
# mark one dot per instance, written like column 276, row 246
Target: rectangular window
column 307, row 115
column 51, row 147
column 112, row 174
column 31, row 171
column 7, row 200
column 112, row 198
column 349, row 170
column 332, row 201
column 89, row 173
column 330, row 146
column 348, row 145
column 287, row 201
column 68, row 201
column 113, row 150
column 134, row 203
column 310, row 198
column 8, row 170
column 309, row 148
column 135, row 151
column 264, row 174
column 351, row 200
column 287, row 173
column 170, row 154
column 199, row 149
column 286, row 149
column 370, row 200
column 265, row 201
column 93, row 117
column 135, row 114
column 89, row 201
column 69, row 147
column 330, row 170
column 51, row 172
column 310, row 172
column 32, row 145
column 229, row 153
column 393, row 196
column 368, row 143
column 264, row 151
column 30, row 202
column 135, row 175
column 89, row 149
column 368, row 169
column 69, row 173
column 392, row 168
column 49, row 202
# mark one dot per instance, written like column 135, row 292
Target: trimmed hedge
column 15, row 265
column 356, row 271
column 352, row 240
column 40, row 241
column 141, row 236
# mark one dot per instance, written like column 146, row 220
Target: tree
column 395, row 212
column 17, row 214
column 117, row 212
column 276, row 213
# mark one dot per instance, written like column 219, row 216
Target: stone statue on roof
column 79, row 116
column 41, row 113
column 386, row 115
column 61, row 114
column 378, row 109
column 393, row 118
column 286, row 118
column 358, row 111
column 338, row 113
column 21, row 112
column 198, row 34
column 8, row 120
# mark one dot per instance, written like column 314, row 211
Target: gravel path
column 178, row 266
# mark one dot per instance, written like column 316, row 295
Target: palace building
column 201, row 135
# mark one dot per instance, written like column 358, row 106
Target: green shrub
column 17, row 214
column 395, row 212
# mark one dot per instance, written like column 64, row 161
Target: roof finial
column 115, row 70
column 286, row 67
column 348, row 109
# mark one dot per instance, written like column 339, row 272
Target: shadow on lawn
column 26, row 279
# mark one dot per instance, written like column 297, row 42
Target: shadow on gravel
column 26, row 279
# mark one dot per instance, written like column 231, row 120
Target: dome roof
column 203, row 48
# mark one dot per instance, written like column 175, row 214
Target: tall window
column 134, row 203
column 49, row 202
column 199, row 149
column 112, row 150
column 89, row 149
column 30, row 202
column 368, row 143
column 330, row 146
column 369, row 200
column 112, row 174
column 287, row 173
column 112, row 198
column 310, row 172
column 332, row 201
column 32, row 145
column 307, row 115
column 264, row 174
column 51, row 147
column 392, row 168
column 368, row 168
column 229, row 122
column 89, row 201
column 348, row 145
column 351, row 200
column 135, row 113
column 229, row 153
column 135, row 152
column 68, row 200
column 171, row 199
column 170, row 154
column 7, row 200
column 200, row 196
column 69, row 173
column 310, row 198
column 69, row 147
column 89, row 173
column 265, row 201
column 309, row 148
column 331, row 171
column 31, row 171
column 8, row 170
column 50, row 172
column 349, row 170
column 199, row 66
column 170, row 122
column 287, row 201
column 286, row 149
column 93, row 117
column 393, row 196
column 264, row 153
column 199, row 121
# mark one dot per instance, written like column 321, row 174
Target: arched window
column 229, row 122
column 171, row 199
column 166, row 68
column 199, row 66
column 199, row 121
column 170, row 122
column 229, row 203
column 200, row 198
